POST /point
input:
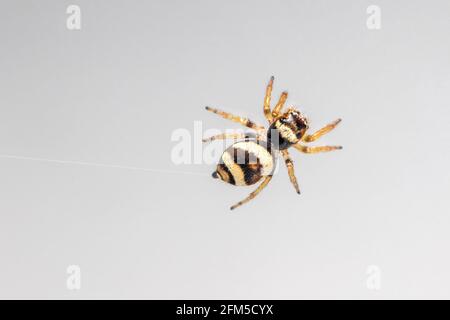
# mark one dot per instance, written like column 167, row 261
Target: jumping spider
column 248, row 161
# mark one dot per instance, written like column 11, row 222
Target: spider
column 248, row 161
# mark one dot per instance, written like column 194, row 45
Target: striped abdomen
column 245, row 163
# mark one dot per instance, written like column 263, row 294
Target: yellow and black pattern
column 253, row 159
column 245, row 163
column 287, row 130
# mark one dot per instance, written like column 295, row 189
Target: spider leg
column 267, row 98
column 236, row 136
column 254, row 193
column 280, row 104
column 316, row 135
column 243, row 121
column 290, row 168
column 306, row 149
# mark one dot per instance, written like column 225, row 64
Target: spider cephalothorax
column 248, row 161
column 287, row 129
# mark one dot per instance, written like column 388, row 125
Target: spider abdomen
column 245, row 163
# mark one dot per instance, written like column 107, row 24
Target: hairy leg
column 267, row 98
column 316, row 135
column 254, row 193
column 243, row 121
column 306, row 149
column 237, row 135
column 280, row 104
column 290, row 168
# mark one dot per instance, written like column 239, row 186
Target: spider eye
column 215, row 175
